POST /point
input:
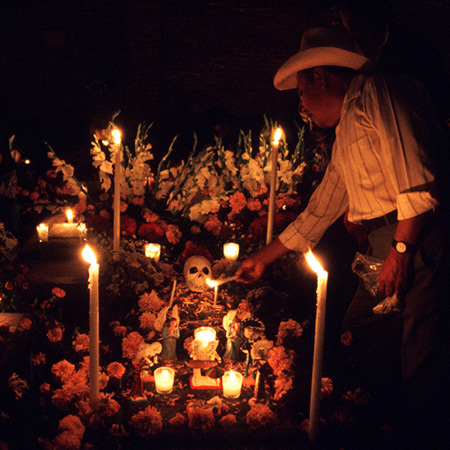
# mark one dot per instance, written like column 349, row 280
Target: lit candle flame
column 314, row 264
column 277, row 136
column 69, row 214
column 215, row 283
column 89, row 255
column 117, row 135
column 232, row 378
column 212, row 283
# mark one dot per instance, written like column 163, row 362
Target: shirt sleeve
column 401, row 110
column 328, row 202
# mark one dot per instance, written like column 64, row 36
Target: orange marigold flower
column 115, row 370
column 55, row 334
column 58, row 292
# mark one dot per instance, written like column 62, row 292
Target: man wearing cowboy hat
column 382, row 173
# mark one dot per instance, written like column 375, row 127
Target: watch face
column 400, row 247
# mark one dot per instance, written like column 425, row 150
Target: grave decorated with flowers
column 166, row 348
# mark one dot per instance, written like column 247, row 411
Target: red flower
column 128, row 225
column 191, row 249
column 99, row 224
column 150, row 231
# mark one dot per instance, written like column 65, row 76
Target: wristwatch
column 402, row 247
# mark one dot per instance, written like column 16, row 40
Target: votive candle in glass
column 153, row 251
column 231, row 251
column 232, row 384
column 164, row 378
column 42, row 230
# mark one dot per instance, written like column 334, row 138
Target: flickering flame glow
column 212, row 283
column 205, row 334
column 231, row 250
column 313, row 263
column 117, row 135
column 69, row 214
column 277, row 136
column 89, row 255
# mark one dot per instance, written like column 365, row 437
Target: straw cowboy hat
column 321, row 46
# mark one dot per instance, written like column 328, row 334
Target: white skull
column 196, row 270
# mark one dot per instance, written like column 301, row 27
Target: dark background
column 67, row 66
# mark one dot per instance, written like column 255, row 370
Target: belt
column 378, row 222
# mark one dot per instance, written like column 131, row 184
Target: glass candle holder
column 231, row 251
column 153, row 251
column 164, row 378
column 42, row 231
column 232, row 384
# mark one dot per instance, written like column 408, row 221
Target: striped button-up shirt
column 379, row 161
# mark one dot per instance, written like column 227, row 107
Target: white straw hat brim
column 321, row 52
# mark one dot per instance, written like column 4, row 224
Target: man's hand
column 395, row 274
column 250, row 270
column 253, row 267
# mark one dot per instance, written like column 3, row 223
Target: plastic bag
column 368, row 269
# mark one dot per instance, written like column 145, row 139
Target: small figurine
column 253, row 331
column 170, row 333
column 260, row 354
column 234, row 335
column 137, row 388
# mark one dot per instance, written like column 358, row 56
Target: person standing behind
column 9, row 207
column 382, row 173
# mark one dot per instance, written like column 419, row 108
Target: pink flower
column 115, row 370
column 147, row 421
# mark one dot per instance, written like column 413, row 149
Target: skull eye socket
column 193, row 270
column 205, row 270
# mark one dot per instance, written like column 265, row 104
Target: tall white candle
column 314, row 407
column 94, row 359
column 117, row 176
column 216, row 291
column 273, row 185
column 69, row 215
column 172, row 294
